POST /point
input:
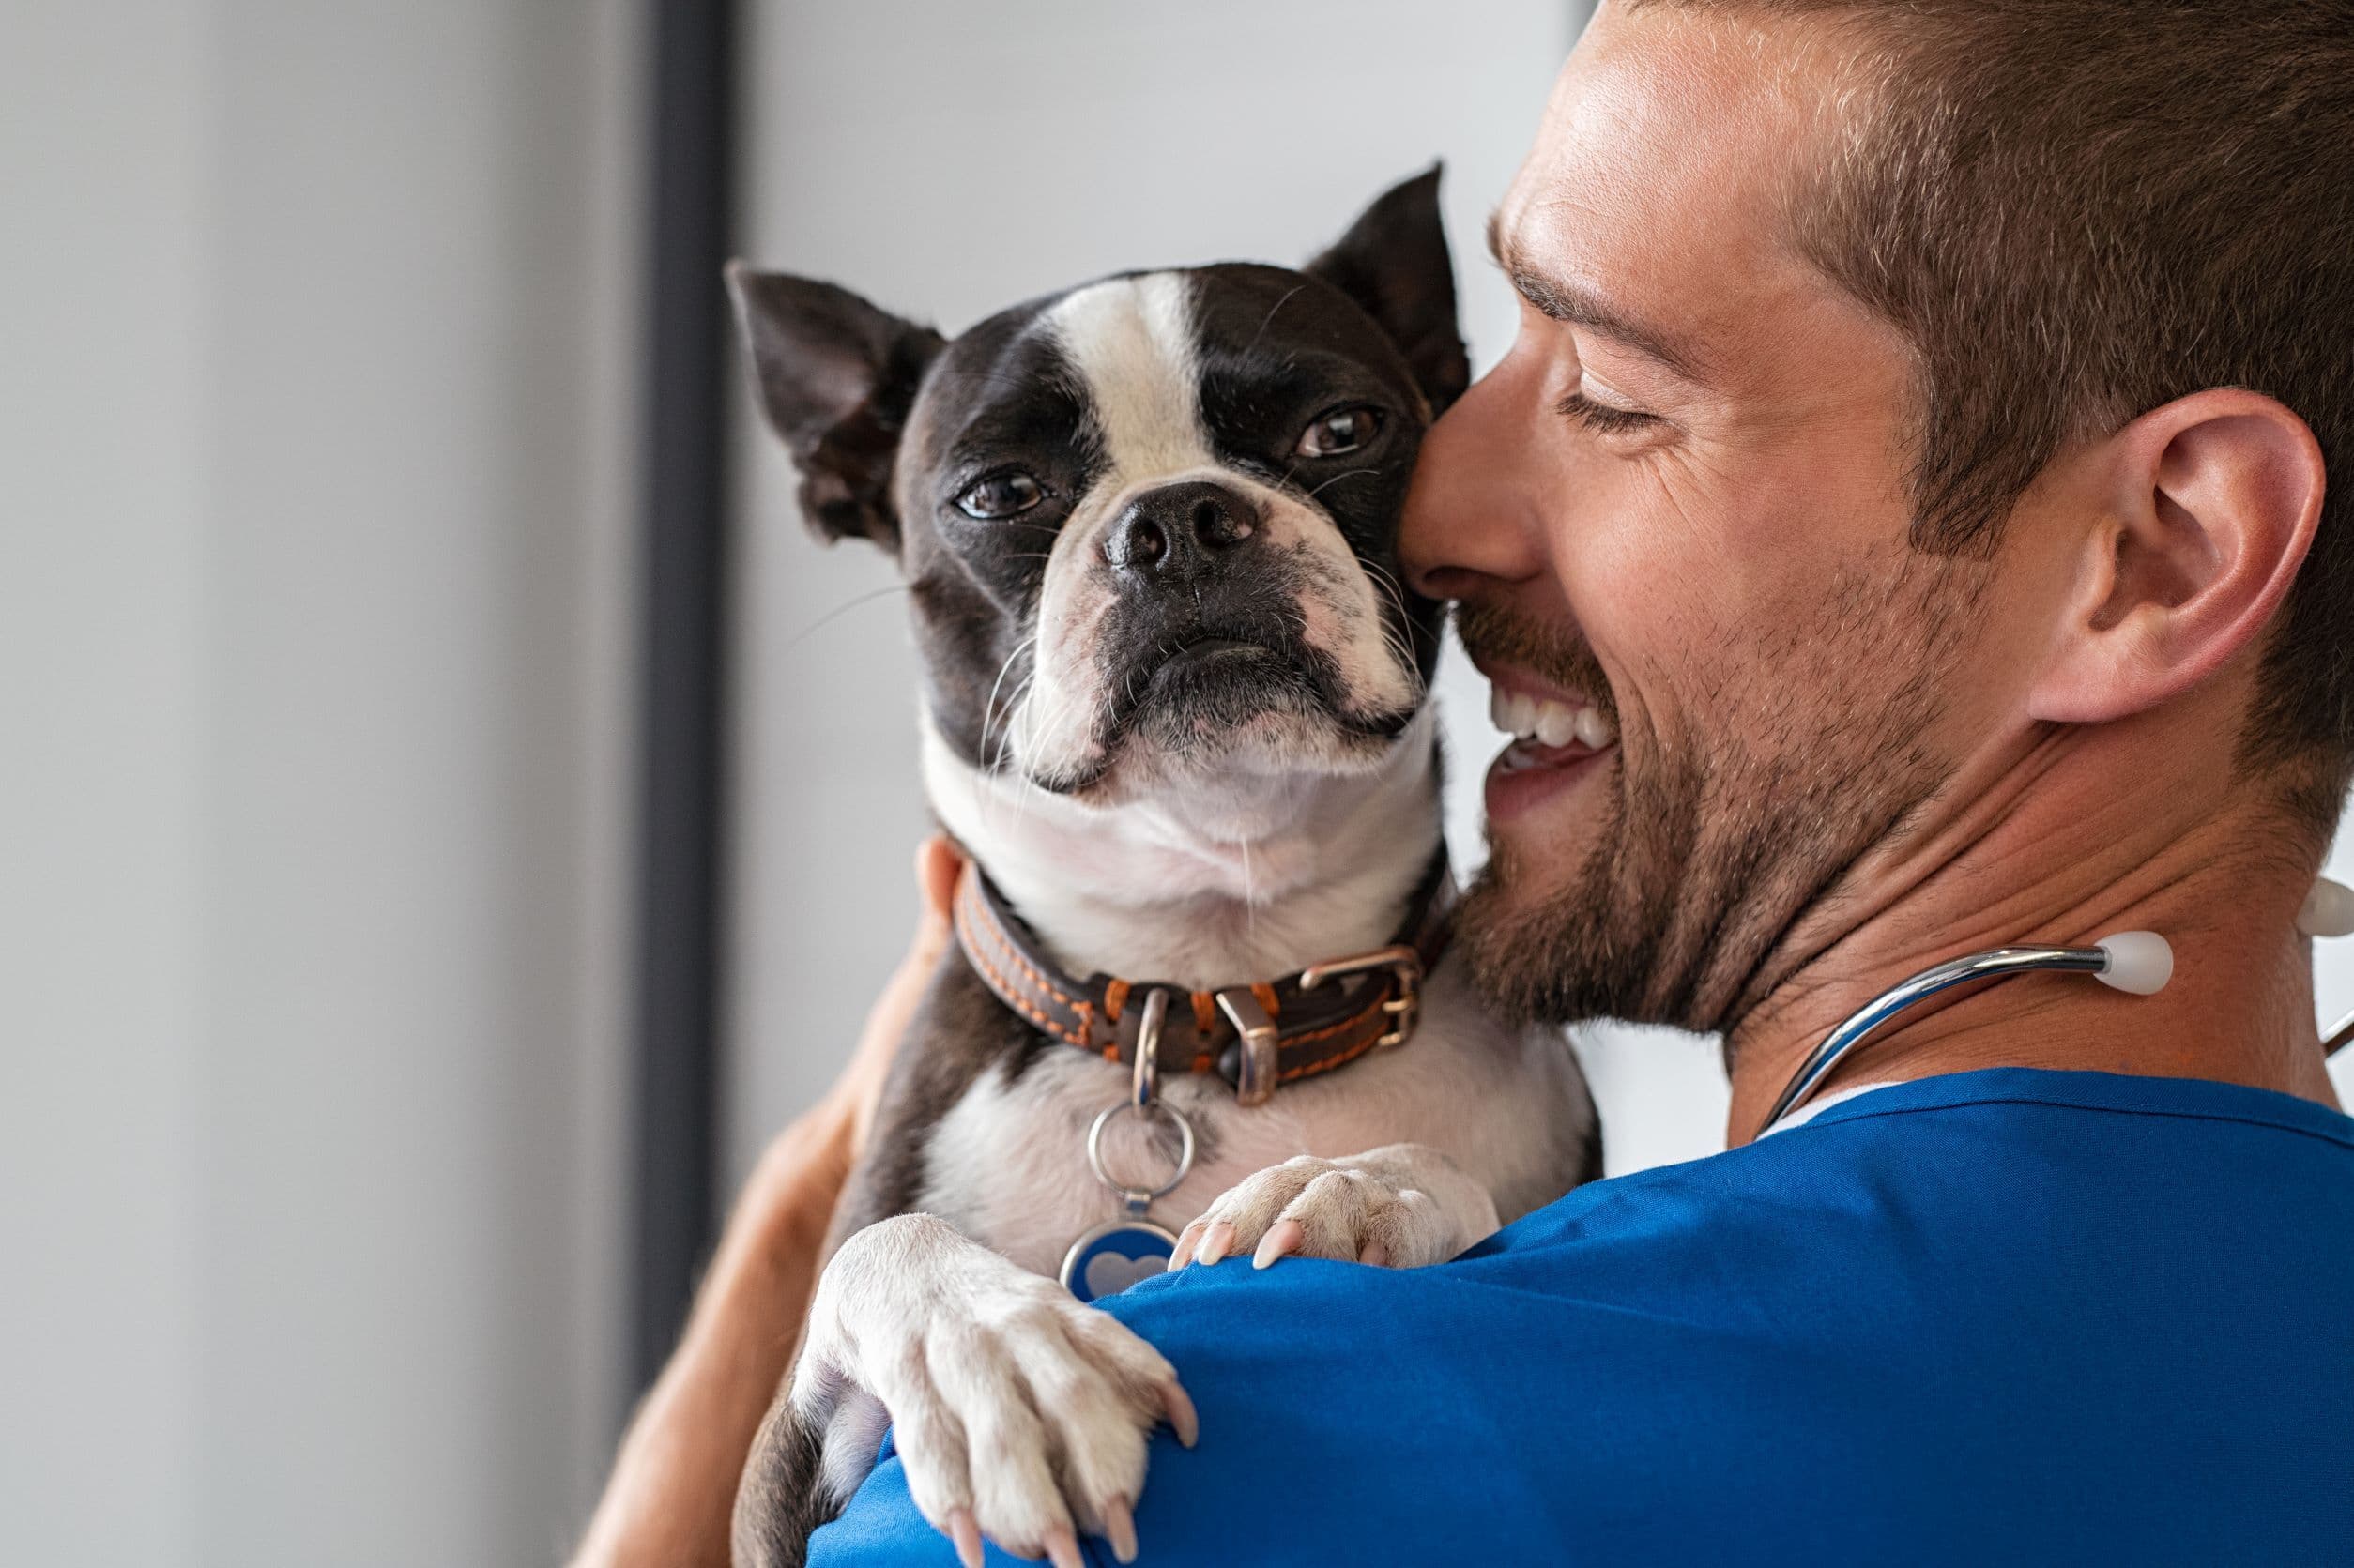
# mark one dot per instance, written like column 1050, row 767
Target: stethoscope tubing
column 1860, row 1025
column 2138, row 961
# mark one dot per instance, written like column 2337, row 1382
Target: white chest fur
column 1007, row 1165
column 1205, row 888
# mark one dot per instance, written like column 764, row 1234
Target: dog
column 1176, row 711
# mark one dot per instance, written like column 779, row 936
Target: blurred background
column 453, row 815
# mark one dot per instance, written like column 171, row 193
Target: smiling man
column 1907, row 507
column 1915, row 447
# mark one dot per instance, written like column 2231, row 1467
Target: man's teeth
column 1550, row 724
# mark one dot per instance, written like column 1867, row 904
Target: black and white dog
column 1175, row 709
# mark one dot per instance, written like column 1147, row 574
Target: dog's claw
column 966, row 1536
column 1005, row 1339
column 1403, row 1206
column 1282, row 1237
column 1118, row 1528
column 1187, row 1240
column 1183, row 1421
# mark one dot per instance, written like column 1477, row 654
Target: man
column 1918, row 438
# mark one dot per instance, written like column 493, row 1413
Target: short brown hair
column 2079, row 210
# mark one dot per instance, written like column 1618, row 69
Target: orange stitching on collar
column 1309, row 1069
column 1013, row 956
column 1006, row 992
column 1354, row 1020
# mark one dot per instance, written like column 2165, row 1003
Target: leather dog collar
column 1254, row 1035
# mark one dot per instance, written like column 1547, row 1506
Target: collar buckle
column 1144, row 1080
column 1257, row 1068
column 1404, row 963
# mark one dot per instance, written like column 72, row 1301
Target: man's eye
column 1601, row 417
column 1344, row 429
column 1007, row 494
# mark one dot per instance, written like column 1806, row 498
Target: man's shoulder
column 1348, row 1413
column 1925, row 1297
column 1361, row 1396
column 1930, row 1295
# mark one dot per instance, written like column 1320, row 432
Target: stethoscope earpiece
column 2140, row 962
column 2329, row 910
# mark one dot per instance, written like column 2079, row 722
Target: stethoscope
column 2136, row 961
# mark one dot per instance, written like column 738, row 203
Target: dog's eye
column 1344, row 429
column 1007, row 494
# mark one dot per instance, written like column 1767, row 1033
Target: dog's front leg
column 1402, row 1205
column 1019, row 1414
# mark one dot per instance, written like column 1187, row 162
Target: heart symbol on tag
column 1111, row 1257
column 1108, row 1274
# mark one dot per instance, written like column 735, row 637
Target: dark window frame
column 681, row 747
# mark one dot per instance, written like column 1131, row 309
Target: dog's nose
column 1181, row 530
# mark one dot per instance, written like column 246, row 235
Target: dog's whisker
column 1250, row 896
column 839, row 611
column 1348, row 474
column 990, row 709
column 1269, row 319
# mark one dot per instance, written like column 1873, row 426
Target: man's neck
column 2041, row 846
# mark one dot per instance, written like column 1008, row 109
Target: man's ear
column 1393, row 262
column 836, row 378
column 2212, row 503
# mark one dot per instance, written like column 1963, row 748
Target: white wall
column 948, row 160
column 101, row 550
column 313, row 577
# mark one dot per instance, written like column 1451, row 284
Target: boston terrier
column 1176, row 711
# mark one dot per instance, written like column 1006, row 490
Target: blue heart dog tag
column 1111, row 1257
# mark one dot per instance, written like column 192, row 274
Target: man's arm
column 673, row 1487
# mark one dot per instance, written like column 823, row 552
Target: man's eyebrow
column 1579, row 306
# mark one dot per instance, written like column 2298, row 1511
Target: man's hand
column 673, row 1487
column 938, row 867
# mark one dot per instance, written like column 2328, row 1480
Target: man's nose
column 1181, row 532
column 1470, row 512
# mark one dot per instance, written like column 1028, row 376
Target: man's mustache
column 1561, row 658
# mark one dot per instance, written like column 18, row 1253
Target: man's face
column 1680, row 500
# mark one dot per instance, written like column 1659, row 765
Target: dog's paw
column 1019, row 1414
column 1402, row 1206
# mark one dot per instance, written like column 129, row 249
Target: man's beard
column 1710, row 847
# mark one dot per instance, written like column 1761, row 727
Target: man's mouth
column 1554, row 735
column 1539, row 724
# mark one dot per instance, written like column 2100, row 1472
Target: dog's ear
column 1393, row 262
column 836, row 378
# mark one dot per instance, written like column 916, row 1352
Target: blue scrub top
column 1998, row 1316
